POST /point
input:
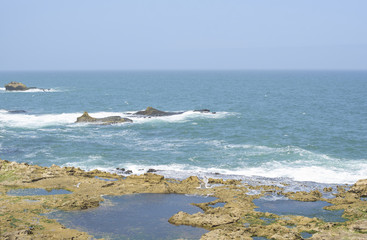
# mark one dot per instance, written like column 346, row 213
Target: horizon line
column 176, row 70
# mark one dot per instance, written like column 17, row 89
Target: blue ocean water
column 299, row 125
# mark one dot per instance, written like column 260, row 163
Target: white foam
column 37, row 121
column 273, row 197
column 33, row 90
column 45, row 120
column 327, row 175
column 183, row 117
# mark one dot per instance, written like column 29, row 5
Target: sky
column 182, row 35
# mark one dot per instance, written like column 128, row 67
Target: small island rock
column 107, row 120
column 152, row 112
column 16, row 86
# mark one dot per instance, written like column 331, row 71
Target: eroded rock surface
column 235, row 219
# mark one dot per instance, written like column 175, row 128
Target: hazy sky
column 186, row 34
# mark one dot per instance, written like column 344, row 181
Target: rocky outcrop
column 107, row 120
column 16, row 86
column 152, row 112
column 360, row 187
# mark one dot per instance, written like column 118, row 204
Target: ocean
column 269, row 125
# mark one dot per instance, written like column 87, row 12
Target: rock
column 360, row 226
column 360, row 187
column 328, row 189
column 151, row 170
column 16, row 86
column 152, row 112
column 303, row 196
column 202, row 220
column 107, row 120
column 192, row 180
column 16, row 111
column 204, row 111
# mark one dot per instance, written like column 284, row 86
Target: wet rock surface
column 21, row 216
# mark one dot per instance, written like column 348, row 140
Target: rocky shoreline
column 21, row 216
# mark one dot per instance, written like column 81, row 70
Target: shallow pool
column 36, row 192
column 138, row 216
column 293, row 207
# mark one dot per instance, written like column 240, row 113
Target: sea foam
column 324, row 175
column 33, row 90
column 45, row 120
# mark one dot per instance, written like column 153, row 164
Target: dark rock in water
column 16, row 86
column 107, row 120
column 204, row 111
column 152, row 112
column 16, row 111
column 123, row 171
column 151, row 170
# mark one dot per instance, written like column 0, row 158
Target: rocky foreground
column 20, row 216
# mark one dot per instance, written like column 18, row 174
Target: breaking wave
column 279, row 172
column 33, row 90
column 27, row 120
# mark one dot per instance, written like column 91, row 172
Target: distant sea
column 269, row 125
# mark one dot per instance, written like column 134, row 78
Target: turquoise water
column 304, row 126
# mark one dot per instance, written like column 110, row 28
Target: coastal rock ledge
column 25, row 217
column 16, row 86
column 107, row 120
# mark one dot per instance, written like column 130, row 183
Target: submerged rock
column 107, row 120
column 16, row 86
column 152, row 112
column 17, row 111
